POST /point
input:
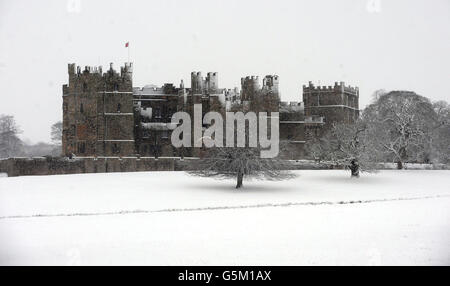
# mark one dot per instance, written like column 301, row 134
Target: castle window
column 84, row 86
column 116, row 87
column 81, row 147
column 164, row 134
column 157, row 112
column 119, row 106
column 115, row 148
column 81, row 108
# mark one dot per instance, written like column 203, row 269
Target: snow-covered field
column 170, row 218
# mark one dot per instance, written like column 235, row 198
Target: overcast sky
column 371, row 44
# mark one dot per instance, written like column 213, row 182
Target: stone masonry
column 105, row 116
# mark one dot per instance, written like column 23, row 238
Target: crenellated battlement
column 200, row 85
column 250, row 80
column 338, row 103
column 94, row 79
column 250, row 83
column 338, row 87
column 271, row 83
column 126, row 69
column 271, row 78
column 74, row 70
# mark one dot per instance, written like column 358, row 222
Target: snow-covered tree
column 399, row 125
column 56, row 133
column 377, row 94
column 10, row 143
column 240, row 162
column 441, row 133
column 346, row 145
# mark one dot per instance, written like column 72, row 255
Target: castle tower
column 270, row 83
column 331, row 104
column 249, row 87
column 212, row 82
column 127, row 71
column 265, row 99
column 98, row 116
column 80, row 111
column 197, row 82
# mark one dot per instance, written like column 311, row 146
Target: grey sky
column 403, row 45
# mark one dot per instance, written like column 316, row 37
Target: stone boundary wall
column 14, row 167
column 57, row 165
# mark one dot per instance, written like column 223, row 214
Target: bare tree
column 346, row 145
column 399, row 125
column 56, row 133
column 10, row 143
column 441, row 133
column 240, row 162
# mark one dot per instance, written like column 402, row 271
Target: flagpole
column 128, row 48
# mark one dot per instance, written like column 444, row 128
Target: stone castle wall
column 39, row 166
column 58, row 165
column 98, row 114
column 103, row 115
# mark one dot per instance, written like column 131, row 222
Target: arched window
column 81, row 108
column 119, row 106
column 116, row 87
column 84, row 86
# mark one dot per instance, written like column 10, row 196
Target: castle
column 105, row 116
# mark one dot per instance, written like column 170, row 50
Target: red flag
column 127, row 44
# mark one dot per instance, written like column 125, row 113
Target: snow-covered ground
column 169, row 218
